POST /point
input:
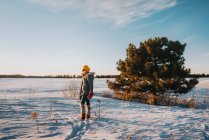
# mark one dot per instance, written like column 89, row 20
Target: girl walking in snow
column 86, row 92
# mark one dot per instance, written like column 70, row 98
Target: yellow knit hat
column 86, row 68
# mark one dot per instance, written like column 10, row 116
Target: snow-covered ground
column 58, row 117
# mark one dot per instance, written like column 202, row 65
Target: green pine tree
column 156, row 67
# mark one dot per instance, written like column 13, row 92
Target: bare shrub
column 97, row 112
column 117, row 96
column 160, row 99
column 167, row 100
column 71, row 91
column 51, row 113
column 192, row 103
column 126, row 96
column 151, row 99
column 34, row 116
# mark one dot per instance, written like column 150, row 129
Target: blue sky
column 41, row 37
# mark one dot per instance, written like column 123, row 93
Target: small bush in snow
column 71, row 91
column 34, row 116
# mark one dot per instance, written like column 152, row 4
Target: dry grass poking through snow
column 165, row 100
column 34, row 116
column 71, row 91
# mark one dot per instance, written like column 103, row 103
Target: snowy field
column 58, row 117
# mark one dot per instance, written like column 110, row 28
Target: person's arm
column 90, row 79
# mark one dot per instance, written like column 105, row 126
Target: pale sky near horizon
column 42, row 37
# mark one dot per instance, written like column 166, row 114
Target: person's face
column 84, row 72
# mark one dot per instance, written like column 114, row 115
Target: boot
column 82, row 108
column 87, row 116
column 82, row 116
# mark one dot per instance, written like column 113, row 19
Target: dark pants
column 84, row 100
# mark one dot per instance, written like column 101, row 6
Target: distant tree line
column 199, row 75
column 12, row 76
column 53, row 76
column 79, row 76
column 106, row 76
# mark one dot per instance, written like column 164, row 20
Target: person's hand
column 90, row 95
